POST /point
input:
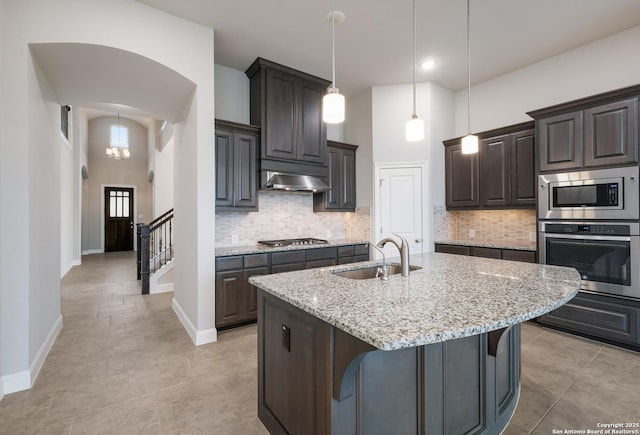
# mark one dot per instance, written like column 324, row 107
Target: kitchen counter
column 518, row 246
column 450, row 297
column 436, row 352
column 225, row 251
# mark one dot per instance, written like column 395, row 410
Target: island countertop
column 451, row 296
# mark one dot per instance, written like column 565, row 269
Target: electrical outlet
column 472, row 234
column 532, row 236
column 234, row 238
column 329, row 235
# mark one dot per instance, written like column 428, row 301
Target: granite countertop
column 519, row 246
column 452, row 296
column 225, row 251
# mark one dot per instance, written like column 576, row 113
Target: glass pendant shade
column 333, row 107
column 470, row 144
column 414, row 130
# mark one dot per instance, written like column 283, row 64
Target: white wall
column 163, row 180
column 44, row 238
column 80, row 159
column 358, row 131
column 30, row 163
column 391, row 109
column 232, row 94
column 106, row 171
column 604, row 65
column 66, row 200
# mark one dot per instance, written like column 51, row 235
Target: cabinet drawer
column 361, row 250
column 346, row 251
column 517, row 255
column 321, row 263
column 279, row 268
column 321, row 253
column 486, row 252
column 453, row 249
column 256, row 260
column 359, row 258
column 229, row 263
column 286, row 257
column 605, row 317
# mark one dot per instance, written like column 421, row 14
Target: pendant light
column 333, row 101
column 414, row 130
column 470, row 141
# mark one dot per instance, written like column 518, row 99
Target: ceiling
column 373, row 44
column 83, row 74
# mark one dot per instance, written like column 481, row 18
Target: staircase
column 155, row 254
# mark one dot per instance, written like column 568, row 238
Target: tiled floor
column 123, row 364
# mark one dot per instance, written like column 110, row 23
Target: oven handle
column 577, row 236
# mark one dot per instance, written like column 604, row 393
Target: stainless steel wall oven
column 605, row 253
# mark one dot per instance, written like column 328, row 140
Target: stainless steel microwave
column 596, row 194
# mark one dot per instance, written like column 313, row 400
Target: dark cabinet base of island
column 314, row 378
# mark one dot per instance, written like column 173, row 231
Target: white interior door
column 400, row 206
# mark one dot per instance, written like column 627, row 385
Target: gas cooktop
column 289, row 242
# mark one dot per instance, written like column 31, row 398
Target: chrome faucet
column 382, row 272
column 403, row 248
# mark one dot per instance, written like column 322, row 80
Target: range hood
column 293, row 182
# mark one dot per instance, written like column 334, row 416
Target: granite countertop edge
column 489, row 244
column 390, row 323
column 226, row 251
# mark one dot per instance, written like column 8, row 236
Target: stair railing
column 155, row 247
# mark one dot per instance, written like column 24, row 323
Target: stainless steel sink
column 371, row 272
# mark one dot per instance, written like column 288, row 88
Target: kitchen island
column 435, row 352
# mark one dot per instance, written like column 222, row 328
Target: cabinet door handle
column 286, row 338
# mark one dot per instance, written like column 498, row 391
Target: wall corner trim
column 198, row 337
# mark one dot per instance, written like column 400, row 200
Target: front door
column 118, row 219
column 400, row 207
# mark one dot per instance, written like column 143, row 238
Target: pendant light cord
column 333, row 43
column 414, row 59
column 468, row 69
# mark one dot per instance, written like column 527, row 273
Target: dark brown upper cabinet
column 342, row 180
column 611, row 134
column 236, row 166
column 461, row 173
column 601, row 130
column 287, row 105
column 495, row 171
column 560, row 142
column 523, row 172
column 501, row 175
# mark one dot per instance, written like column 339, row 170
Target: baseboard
column 25, row 379
column 93, row 251
column 198, row 337
column 44, row 350
column 161, row 288
column 69, row 266
column 16, row 382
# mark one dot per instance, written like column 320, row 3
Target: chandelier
column 118, row 148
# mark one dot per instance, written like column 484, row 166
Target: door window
column 119, row 204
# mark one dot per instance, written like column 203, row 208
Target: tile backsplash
column 290, row 215
column 495, row 225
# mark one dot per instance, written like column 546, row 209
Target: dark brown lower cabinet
column 316, row 379
column 599, row 316
column 236, row 302
column 479, row 251
column 229, row 297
